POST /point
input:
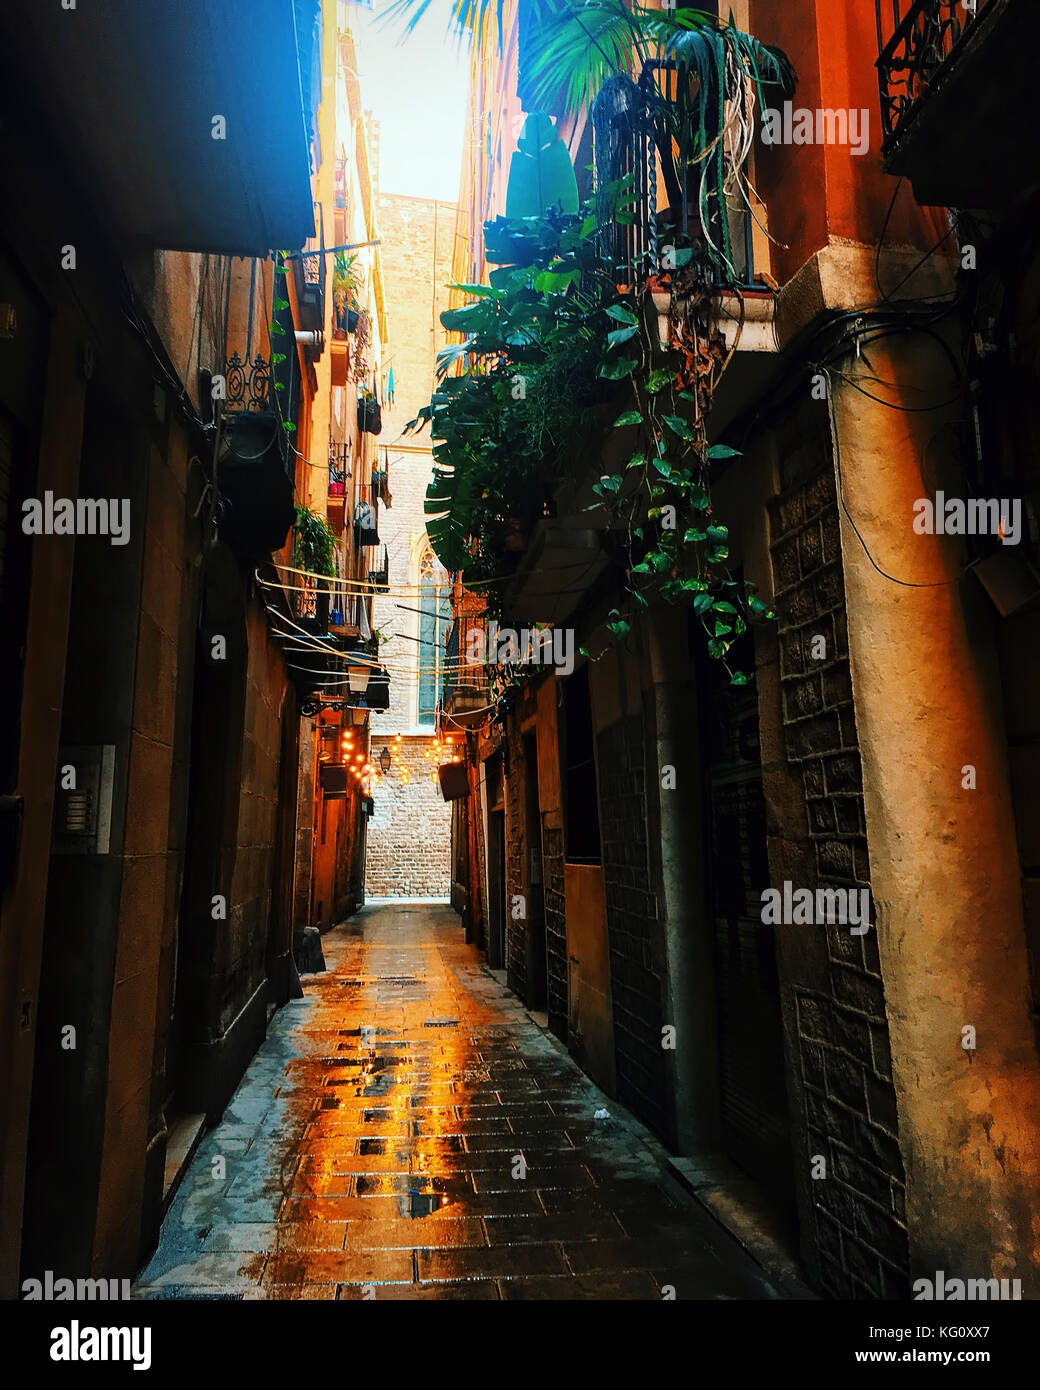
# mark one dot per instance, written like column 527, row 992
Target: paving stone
column 371, row 1155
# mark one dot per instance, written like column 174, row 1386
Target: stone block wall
column 843, row 1076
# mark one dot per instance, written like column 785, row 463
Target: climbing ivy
column 562, row 364
column 313, row 543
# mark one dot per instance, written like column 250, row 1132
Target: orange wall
column 816, row 194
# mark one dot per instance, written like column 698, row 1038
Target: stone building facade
column 400, row 861
column 881, row 749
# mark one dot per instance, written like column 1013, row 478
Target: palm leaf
column 576, row 49
column 449, row 517
column 469, row 20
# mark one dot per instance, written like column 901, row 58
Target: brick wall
column 845, row 1082
column 408, row 848
column 632, row 921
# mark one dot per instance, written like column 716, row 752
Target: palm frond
column 577, row 47
column 469, row 20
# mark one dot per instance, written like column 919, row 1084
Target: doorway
column 754, row 1121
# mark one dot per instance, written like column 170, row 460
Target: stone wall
column 842, row 1072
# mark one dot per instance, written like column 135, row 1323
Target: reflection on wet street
column 407, row 1131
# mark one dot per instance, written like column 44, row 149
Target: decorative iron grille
column 915, row 39
column 633, row 147
column 248, row 384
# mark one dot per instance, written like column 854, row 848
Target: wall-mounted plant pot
column 256, row 491
column 454, row 781
column 377, row 694
column 369, row 416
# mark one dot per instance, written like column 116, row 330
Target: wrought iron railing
column 643, row 238
column 915, row 39
column 460, row 675
column 339, row 469
column 247, row 385
column 310, row 602
column 312, row 262
column 379, row 578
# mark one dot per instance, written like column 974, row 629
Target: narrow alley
column 407, row 1131
column 519, row 631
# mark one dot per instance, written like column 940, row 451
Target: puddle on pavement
column 419, row 1204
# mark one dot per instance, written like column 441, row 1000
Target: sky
column 416, row 90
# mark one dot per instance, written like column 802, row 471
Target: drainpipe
column 689, row 1002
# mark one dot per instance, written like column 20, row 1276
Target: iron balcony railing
column 915, row 39
column 379, row 578
column 641, row 241
column 250, row 397
column 247, row 384
column 462, row 677
column 339, row 469
column 313, row 271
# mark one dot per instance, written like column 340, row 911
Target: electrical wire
column 836, row 445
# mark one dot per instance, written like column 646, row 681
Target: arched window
column 434, row 617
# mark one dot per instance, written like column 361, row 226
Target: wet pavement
column 407, row 1131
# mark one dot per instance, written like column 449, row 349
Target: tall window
column 580, row 801
column 434, row 618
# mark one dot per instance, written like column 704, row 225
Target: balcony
column 366, row 519
column 379, row 578
column 346, row 321
column 464, row 698
column 190, row 123
column 727, row 246
column 957, row 108
column 309, row 275
column 339, row 484
column 660, row 213
column 254, row 472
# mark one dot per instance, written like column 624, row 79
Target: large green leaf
column 449, row 517
column 541, row 175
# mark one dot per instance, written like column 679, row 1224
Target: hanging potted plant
column 345, row 284
column 370, row 417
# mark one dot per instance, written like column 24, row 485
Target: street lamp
column 384, row 761
column 357, row 676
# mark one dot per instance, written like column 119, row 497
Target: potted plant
column 345, row 284
column 370, row 417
